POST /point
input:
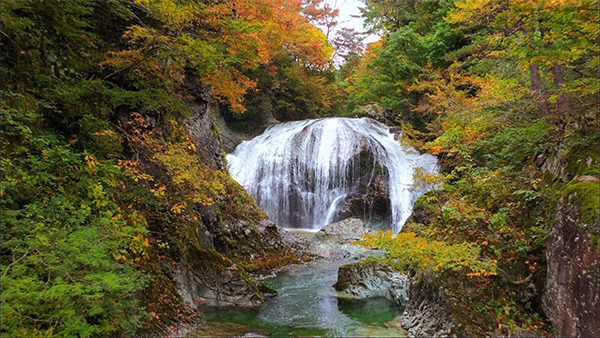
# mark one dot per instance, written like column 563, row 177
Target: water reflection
column 307, row 305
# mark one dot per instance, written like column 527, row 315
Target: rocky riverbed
column 307, row 302
column 337, row 294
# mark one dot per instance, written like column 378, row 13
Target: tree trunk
column 540, row 93
column 563, row 106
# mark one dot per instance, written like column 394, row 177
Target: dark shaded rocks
column 217, row 250
column 377, row 113
column 369, row 199
column 209, row 278
column 571, row 298
column 247, row 242
column 368, row 279
column 219, row 276
column 216, row 329
column 229, row 138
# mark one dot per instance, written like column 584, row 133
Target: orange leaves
column 230, row 86
column 436, row 149
column 219, row 41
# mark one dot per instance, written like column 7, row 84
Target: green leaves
column 61, row 230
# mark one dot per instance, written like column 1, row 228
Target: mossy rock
column 586, row 194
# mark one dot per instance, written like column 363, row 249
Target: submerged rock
column 214, row 329
column 380, row 331
column 427, row 310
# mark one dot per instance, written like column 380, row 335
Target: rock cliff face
column 207, row 250
column 370, row 201
column 571, row 299
column 428, row 311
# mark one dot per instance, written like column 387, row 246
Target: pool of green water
column 308, row 305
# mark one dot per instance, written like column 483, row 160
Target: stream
column 308, row 305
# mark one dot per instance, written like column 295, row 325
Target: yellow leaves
column 175, row 14
column 409, row 251
column 204, row 200
column 134, row 169
column 160, row 191
column 92, row 162
column 192, row 147
column 535, row 182
column 474, row 274
column 424, row 179
column 472, row 12
column 178, row 207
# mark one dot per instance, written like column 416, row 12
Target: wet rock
column 246, row 241
column 571, row 298
column 370, row 199
column 369, row 279
column 388, row 330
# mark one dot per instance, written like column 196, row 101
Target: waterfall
column 301, row 172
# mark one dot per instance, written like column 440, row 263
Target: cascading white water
column 303, row 170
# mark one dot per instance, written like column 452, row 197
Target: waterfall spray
column 301, row 172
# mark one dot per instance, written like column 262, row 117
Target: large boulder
column 427, row 309
column 370, row 279
column 343, row 232
column 571, row 298
column 377, row 113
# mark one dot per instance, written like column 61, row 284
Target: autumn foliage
column 219, row 41
column 101, row 185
